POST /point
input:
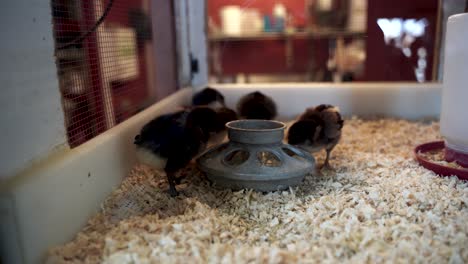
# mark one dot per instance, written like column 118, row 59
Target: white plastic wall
column 51, row 201
column 197, row 40
column 191, row 40
column 31, row 115
column 403, row 100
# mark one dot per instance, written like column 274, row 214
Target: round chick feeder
column 256, row 158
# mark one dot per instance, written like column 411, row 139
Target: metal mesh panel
column 105, row 62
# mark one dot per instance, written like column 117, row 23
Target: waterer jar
column 454, row 114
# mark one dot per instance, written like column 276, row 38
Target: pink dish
column 436, row 167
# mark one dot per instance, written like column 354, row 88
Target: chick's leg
column 173, row 165
column 170, row 178
column 326, row 163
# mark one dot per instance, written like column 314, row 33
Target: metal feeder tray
column 256, row 158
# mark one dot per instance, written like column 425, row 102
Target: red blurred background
column 383, row 62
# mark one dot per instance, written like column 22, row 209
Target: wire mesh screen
column 105, row 63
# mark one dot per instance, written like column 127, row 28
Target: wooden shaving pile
column 438, row 156
column 378, row 205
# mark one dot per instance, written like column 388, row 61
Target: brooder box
column 50, row 201
column 46, row 202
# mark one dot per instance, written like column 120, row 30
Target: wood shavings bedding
column 438, row 156
column 378, row 206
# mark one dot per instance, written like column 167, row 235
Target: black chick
column 223, row 116
column 171, row 141
column 256, row 106
column 213, row 99
column 208, row 97
column 317, row 128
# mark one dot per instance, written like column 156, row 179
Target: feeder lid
column 437, row 167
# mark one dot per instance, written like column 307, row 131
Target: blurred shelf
column 219, row 37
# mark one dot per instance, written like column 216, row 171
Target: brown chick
column 317, row 128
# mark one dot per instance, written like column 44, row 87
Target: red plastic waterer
column 454, row 114
column 438, row 168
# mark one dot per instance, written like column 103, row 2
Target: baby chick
column 256, row 106
column 223, row 115
column 171, row 141
column 213, row 99
column 317, row 128
column 208, row 97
